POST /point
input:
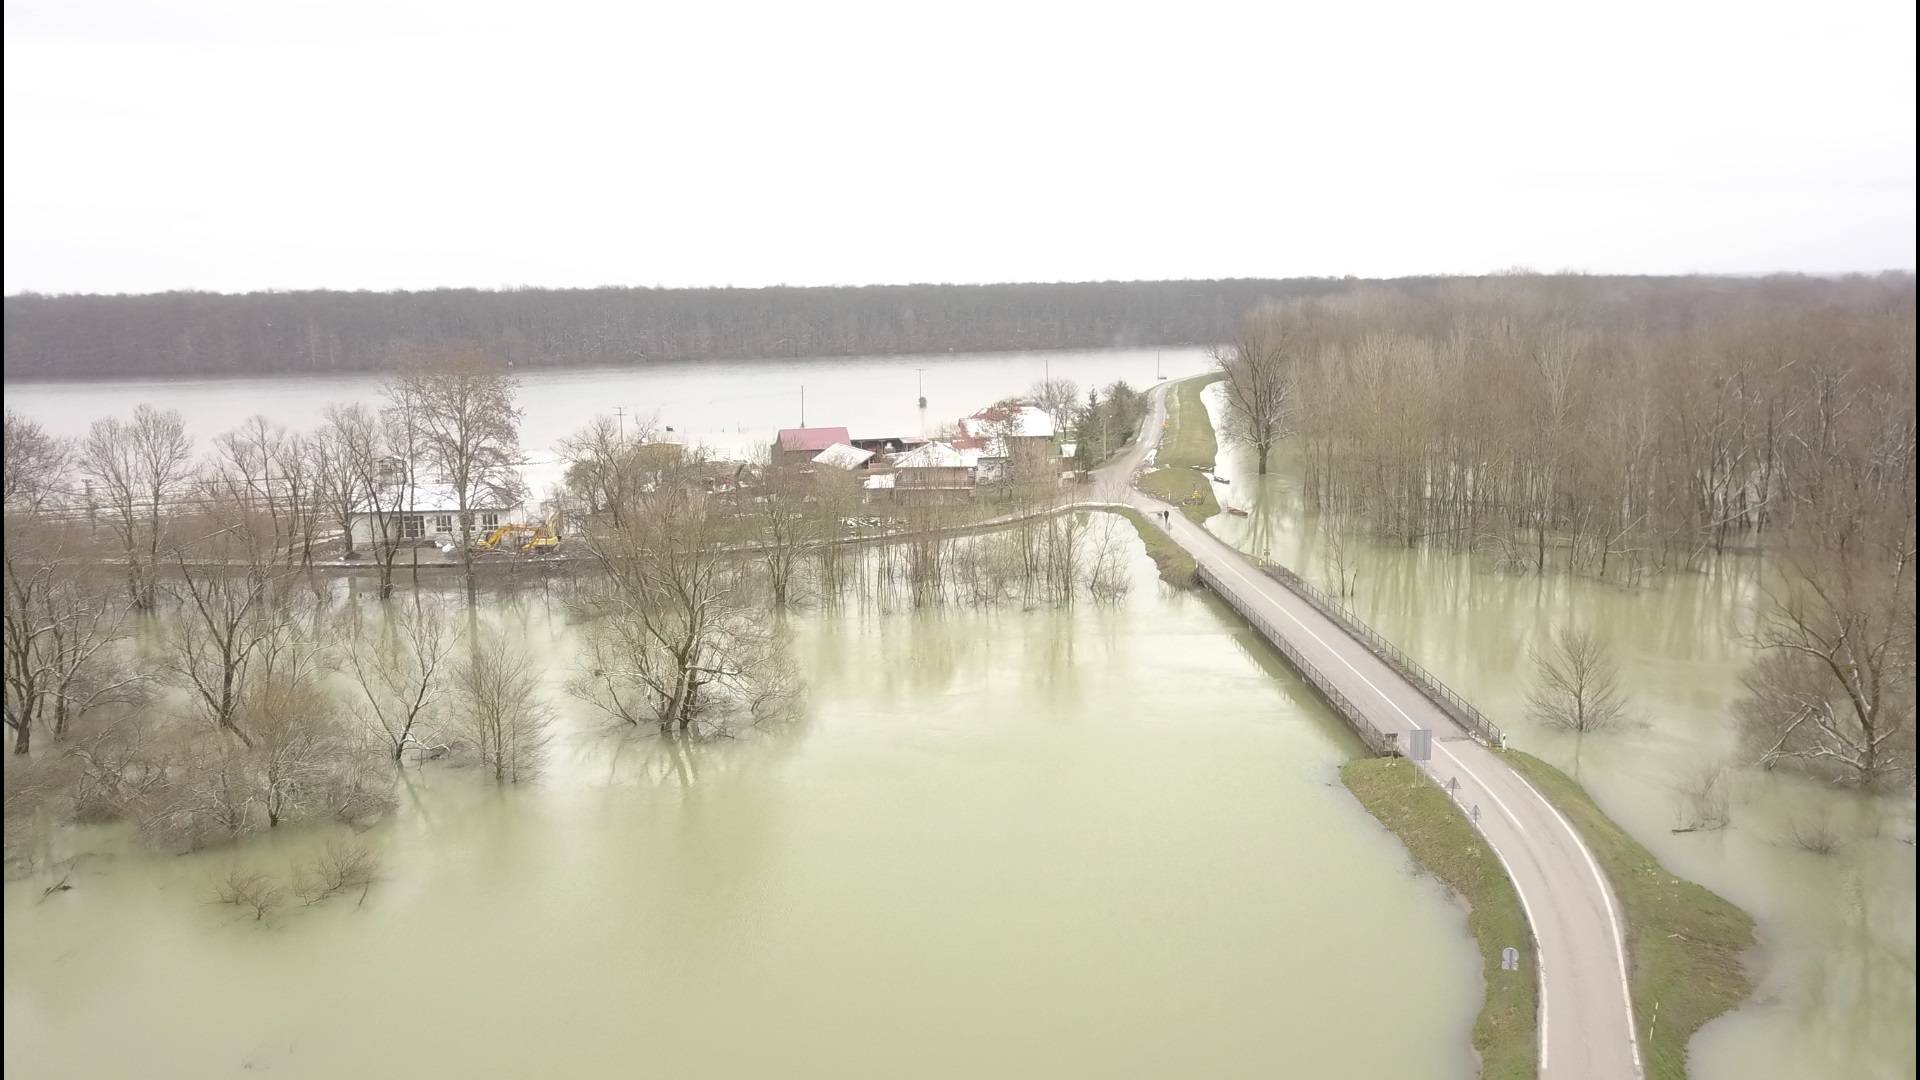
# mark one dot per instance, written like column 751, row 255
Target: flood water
column 731, row 406
column 1835, row 967
column 1088, row 842
column 1097, row 841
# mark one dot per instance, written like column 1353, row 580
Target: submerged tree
column 501, row 712
column 62, row 637
column 403, row 671
column 674, row 637
column 1577, row 683
column 1834, row 688
column 1259, row 370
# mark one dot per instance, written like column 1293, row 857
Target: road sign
column 1420, row 744
column 1509, row 959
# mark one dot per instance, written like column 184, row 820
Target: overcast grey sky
column 343, row 144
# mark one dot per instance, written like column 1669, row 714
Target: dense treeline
column 1600, row 418
column 180, row 333
column 1618, row 428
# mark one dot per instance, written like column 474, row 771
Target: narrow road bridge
column 1585, row 1019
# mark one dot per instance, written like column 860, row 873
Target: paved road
column 1585, row 1016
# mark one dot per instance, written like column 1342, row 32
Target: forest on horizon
column 86, row 336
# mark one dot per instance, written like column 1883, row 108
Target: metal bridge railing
column 1378, row 741
column 1460, row 709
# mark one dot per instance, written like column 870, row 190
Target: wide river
column 733, row 406
column 1094, row 841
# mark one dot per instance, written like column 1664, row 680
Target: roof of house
column 842, row 456
column 813, row 439
column 1027, row 421
column 440, row 499
column 938, row 455
column 889, row 443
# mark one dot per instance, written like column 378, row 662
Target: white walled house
column 433, row 514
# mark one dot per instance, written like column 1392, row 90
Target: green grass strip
column 1447, row 846
column 1187, row 442
column 1684, row 942
column 1176, row 566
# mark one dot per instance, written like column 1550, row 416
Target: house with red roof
column 797, row 446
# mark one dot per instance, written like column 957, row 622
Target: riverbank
column 1685, row 943
column 1446, row 845
column 1187, row 447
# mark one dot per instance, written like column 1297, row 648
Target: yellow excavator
column 528, row 539
column 545, row 538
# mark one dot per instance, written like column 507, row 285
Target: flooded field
column 1090, row 841
column 1835, row 973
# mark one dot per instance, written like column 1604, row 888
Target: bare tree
column 62, row 635
column 1060, row 398
column 501, row 711
column 1834, row 688
column 787, row 524
column 338, row 450
column 1577, row 683
column 298, row 746
column 601, row 460
column 35, row 463
column 339, row 868
column 139, row 468
column 673, row 637
column 256, row 894
column 402, row 670
column 462, row 406
column 1259, row 369
column 237, row 610
column 1705, row 803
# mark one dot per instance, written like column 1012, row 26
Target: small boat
column 1220, row 480
column 1236, row 511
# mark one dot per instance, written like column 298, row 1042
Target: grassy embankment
column 1446, row 845
column 1684, row 942
column 1176, row 566
column 1187, row 442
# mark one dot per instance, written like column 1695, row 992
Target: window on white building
column 411, row 526
column 489, row 521
column 443, row 523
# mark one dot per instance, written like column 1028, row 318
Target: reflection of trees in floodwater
column 1836, row 998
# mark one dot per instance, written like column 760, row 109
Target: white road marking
column 1525, row 906
column 1613, row 918
column 1593, row 866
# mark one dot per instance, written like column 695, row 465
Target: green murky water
column 1835, row 968
column 1100, row 841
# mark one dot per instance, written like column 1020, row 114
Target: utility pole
column 922, row 373
column 803, row 404
column 621, row 412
